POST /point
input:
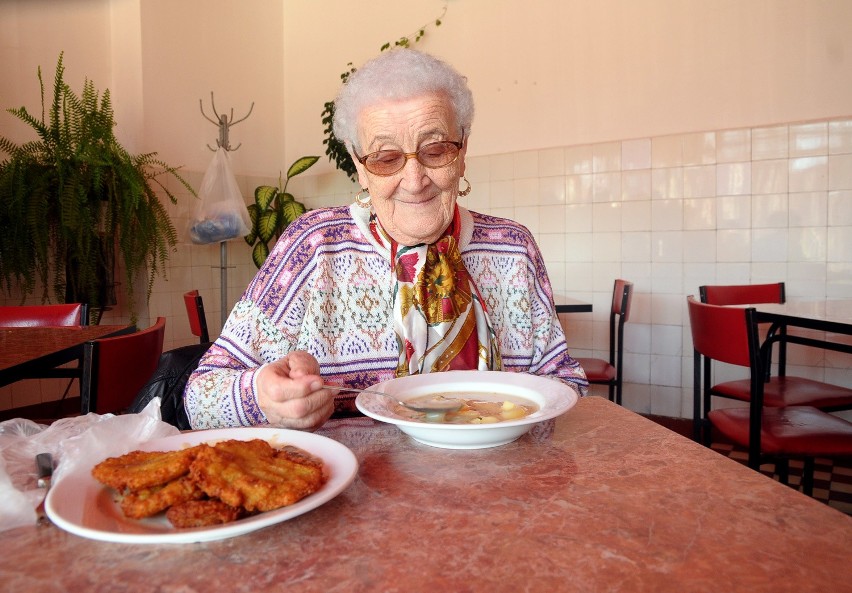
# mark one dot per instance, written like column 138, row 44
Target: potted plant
column 74, row 199
column 273, row 210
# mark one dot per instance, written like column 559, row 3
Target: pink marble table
column 605, row 501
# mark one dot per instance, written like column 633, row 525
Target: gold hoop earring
column 363, row 202
column 463, row 193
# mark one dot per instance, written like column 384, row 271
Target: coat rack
column 224, row 123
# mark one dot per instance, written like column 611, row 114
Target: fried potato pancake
column 211, row 484
column 254, row 475
column 202, row 513
column 143, row 469
column 150, row 501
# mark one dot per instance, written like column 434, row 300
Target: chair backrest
column 622, row 295
column 115, row 369
column 197, row 318
column 722, row 333
column 748, row 294
column 44, row 315
column 742, row 294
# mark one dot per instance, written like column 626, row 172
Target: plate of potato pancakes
column 202, row 486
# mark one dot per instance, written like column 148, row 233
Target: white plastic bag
column 221, row 213
column 77, row 442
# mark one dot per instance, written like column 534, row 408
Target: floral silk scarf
column 440, row 319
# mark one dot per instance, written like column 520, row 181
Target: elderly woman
column 401, row 282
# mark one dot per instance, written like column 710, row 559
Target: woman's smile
column 416, row 200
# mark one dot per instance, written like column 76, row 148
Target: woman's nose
column 413, row 173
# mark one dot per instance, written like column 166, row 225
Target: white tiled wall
column 669, row 213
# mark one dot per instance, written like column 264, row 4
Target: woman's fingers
column 290, row 392
column 302, row 364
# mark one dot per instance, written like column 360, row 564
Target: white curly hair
column 399, row 74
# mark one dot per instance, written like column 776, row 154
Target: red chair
column 115, row 369
column 749, row 294
column 44, row 315
column 609, row 372
column 743, row 294
column 197, row 318
column 778, row 391
column 731, row 335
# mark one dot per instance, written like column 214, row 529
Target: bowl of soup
column 495, row 407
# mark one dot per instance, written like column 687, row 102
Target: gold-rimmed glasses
column 433, row 156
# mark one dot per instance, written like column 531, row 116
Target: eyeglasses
column 433, row 155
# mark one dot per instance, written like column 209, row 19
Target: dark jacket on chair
column 168, row 382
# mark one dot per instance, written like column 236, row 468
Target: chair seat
column 796, row 430
column 780, row 392
column 597, row 369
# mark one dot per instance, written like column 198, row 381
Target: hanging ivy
column 334, row 148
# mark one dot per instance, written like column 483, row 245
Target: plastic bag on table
column 221, row 213
column 75, row 443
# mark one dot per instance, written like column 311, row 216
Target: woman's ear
column 462, row 153
column 362, row 172
column 363, row 181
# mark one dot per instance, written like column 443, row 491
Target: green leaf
column 301, row 165
column 267, row 225
column 252, row 236
column 259, row 254
column 252, row 211
column 291, row 210
column 264, row 195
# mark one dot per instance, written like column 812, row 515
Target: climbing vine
column 334, row 148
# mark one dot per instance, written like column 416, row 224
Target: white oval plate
column 552, row 396
column 81, row 505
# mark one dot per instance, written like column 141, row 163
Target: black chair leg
column 706, row 432
column 808, row 477
column 782, row 470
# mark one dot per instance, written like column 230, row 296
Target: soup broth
column 477, row 408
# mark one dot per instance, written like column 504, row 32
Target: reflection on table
column 33, row 352
column 600, row 500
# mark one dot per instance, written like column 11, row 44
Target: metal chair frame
column 622, row 297
column 731, row 335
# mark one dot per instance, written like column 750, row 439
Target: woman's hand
column 290, row 392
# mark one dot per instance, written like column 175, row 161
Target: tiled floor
column 832, row 479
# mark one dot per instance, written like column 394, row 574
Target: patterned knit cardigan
column 326, row 288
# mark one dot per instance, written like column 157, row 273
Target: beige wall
column 544, row 72
column 590, row 115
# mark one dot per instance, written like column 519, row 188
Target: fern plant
column 273, row 211
column 74, row 199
